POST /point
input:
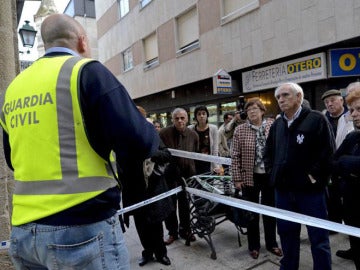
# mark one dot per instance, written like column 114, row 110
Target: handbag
column 240, row 217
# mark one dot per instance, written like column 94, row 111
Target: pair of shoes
column 345, row 254
column 145, row 260
column 188, row 235
column 170, row 240
column 164, row 260
column 254, row 254
column 276, row 251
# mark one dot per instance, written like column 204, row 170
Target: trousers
column 95, row 246
column 151, row 236
column 252, row 193
column 311, row 204
column 171, row 222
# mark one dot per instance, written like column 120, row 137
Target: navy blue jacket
column 346, row 161
column 112, row 122
column 292, row 153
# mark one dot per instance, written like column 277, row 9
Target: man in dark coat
column 179, row 136
column 297, row 156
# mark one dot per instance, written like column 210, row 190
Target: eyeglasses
column 252, row 110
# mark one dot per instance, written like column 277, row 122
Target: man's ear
column 83, row 46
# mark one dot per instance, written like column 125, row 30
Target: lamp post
column 27, row 34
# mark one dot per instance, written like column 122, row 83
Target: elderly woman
column 248, row 173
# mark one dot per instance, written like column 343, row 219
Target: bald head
column 352, row 86
column 60, row 30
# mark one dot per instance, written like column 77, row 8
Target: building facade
column 169, row 53
column 84, row 12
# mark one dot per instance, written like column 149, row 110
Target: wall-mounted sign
column 344, row 62
column 305, row 69
column 222, row 83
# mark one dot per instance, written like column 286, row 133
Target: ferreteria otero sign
column 305, row 69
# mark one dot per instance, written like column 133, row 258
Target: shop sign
column 305, row 69
column 222, row 83
column 344, row 62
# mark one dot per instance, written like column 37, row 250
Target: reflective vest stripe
column 47, row 187
column 68, row 158
column 70, row 183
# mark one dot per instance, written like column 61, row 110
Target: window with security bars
column 127, row 59
column 187, row 31
column 151, row 51
column 123, row 7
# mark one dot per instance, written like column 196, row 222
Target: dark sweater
column 292, row 153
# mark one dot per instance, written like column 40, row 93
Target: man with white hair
column 297, row 157
column 179, row 136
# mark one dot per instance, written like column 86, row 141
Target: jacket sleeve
column 345, row 163
column 7, row 150
column 269, row 150
column 215, row 145
column 162, row 155
column 112, row 120
column 224, row 150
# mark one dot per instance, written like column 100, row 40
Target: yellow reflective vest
column 55, row 167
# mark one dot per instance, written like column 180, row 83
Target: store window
column 212, row 119
column 225, row 108
column 269, row 101
column 164, row 118
column 187, row 32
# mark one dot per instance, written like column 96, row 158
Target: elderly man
column 346, row 165
column 298, row 149
column 335, row 109
column 341, row 125
column 180, row 137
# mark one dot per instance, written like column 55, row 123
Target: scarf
column 260, row 141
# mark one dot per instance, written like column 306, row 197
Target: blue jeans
column 96, row 246
column 311, row 204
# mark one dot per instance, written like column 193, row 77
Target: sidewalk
column 229, row 254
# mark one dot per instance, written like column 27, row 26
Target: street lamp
column 27, row 34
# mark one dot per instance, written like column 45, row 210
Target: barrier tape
column 150, row 200
column 250, row 206
column 198, row 156
column 258, row 208
column 277, row 213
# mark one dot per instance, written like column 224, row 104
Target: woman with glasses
column 248, row 173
